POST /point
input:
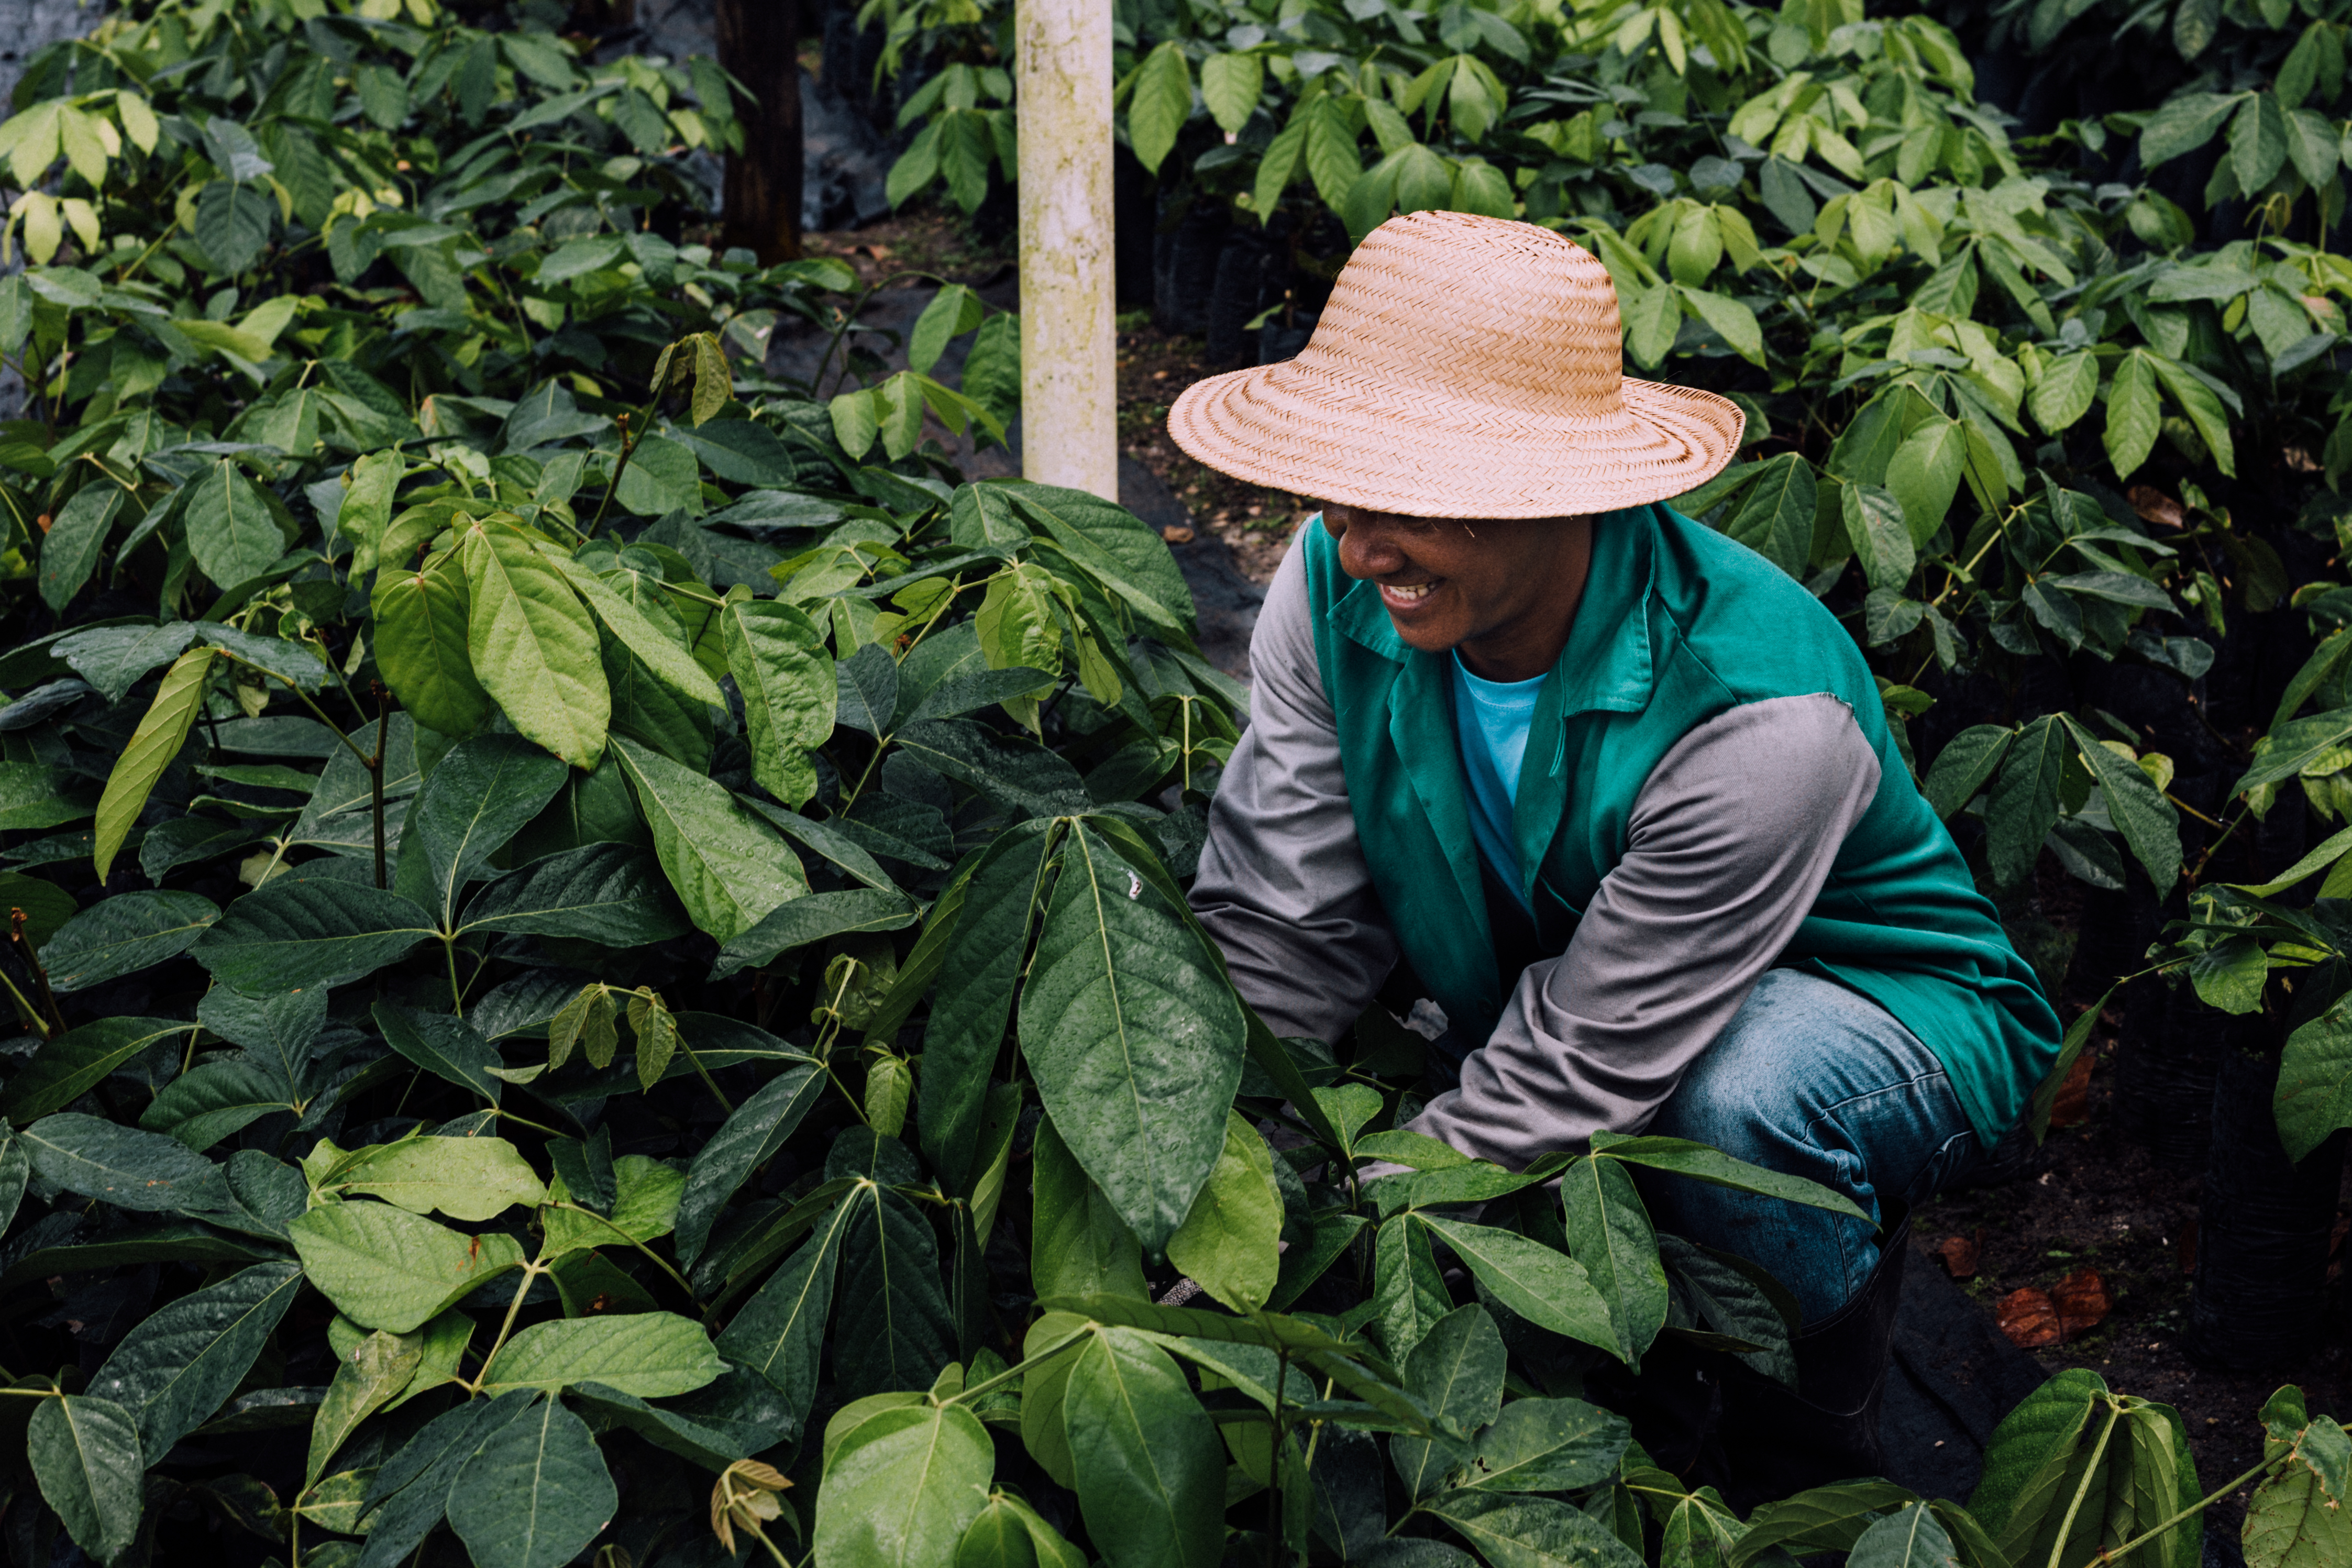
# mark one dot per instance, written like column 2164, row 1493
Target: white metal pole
column 1069, row 433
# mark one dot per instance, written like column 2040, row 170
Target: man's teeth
column 1408, row 590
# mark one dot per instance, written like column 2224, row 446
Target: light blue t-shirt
column 1491, row 719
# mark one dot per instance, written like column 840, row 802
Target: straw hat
column 1465, row 367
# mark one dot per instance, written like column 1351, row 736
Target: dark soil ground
column 2091, row 1199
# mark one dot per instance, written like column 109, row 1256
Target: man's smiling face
column 1504, row 592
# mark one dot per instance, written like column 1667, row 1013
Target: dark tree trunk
column 756, row 44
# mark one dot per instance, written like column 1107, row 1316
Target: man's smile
column 1405, row 595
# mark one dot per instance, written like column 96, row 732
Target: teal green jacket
column 1694, row 665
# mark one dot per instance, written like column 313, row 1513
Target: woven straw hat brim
column 1428, row 453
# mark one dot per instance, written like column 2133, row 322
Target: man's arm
column 1731, row 839
column 1282, row 887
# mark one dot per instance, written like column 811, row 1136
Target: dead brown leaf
column 2029, row 1318
column 2073, row 1106
column 2154, row 506
column 1960, row 1253
column 1177, row 533
column 2082, row 1301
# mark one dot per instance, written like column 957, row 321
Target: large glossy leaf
column 422, row 646
column 177, row 1365
column 1823, row 1519
column 1078, row 1245
column 69, row 1066
column 299, row 931
column 232, row 532
column 650, row 644
column 1457, row 1371
column 480, row 795
column 375, row 1370
column 533, row 647
column 1150, row 1468
column 535, row 1493
column 216, row 1099
column 1608, row 1232
column 1908, row 1539
column 1134, row 1036
column 85, row 1454
column 1512, row 1532
column 1408, row 1293
column 2298, row 1518
column 1546, row 1446
column 779, row 1332
column 901, row 1487
column 729, row 867
column 2137, row 807
column 124, row 934
column 161, row 735
column 820, row 917
column 384, row 1268
column 1230, row 1244
column 610, row 894
column 1699, row 1162
column 986, row 939
column 471, row 1179
column 1547, row 1288
column 649, row 1354
column 122, row 1166
column 747, row 1140
column 443, row 1045
column 75, row 539
column 892, row 1328
column 413, row 1486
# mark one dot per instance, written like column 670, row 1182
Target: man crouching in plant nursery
column 1619, row 791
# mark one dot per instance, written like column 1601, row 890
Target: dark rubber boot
column 1672, row 1404
column 1779, row 1441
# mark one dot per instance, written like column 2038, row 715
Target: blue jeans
column 1818, row 1081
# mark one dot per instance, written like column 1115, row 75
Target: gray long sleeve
column 1731, row 839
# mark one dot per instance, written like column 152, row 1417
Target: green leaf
column 1925, row 475
column 779, row 1332
column 1881, row 537
column 124, row 934
column 658, row 651
column 232, row 532
column 2313, row 1097
column 1457, row 1371
column 1908, row 1539
column 2185, row 123
column 892, row 1328
column 1546, row 1446
column 817, row 918
column 1134, row 1036
column 1608, row 1232
column 2297, row 1517
column 2134, row 417
column 953, row 311
column 1961, row 768
column 779, row 664
column 232, row 225
column 2024, row 803
column 1701, row 1163
column 1230, row 1241
column 1408, row 1293
column 2203, row 408
column 2036, row 1460
column 157, row 740
column 299, row 931
column 413, row 1486
column 662, row 476
column 1547, row 1289
column 85, row 1454
column 421, row 645
column 2139, row 809
column 610, row 894
column 472, row 1179
column 384, row 1268
column 1230, row 85
column 903, row 1486
column 645, row 1206
column 536, row 1493
column 1150, row 1472
column 650, row 1354
column 1774, row 517
column 534, row 646
column 1512, row 1532
column 443, row 1045
column 985, row 940
column 215, row 1101
column 480, row 795
column 1079, row 1246
column 2069, row 385
column 177, row 1365
column 365, row 1380
column 748, row 1139
column 69, row 1066
column 70, row 549
column 730, row 868
column 1733, row 321
column 144, row 1172
column 1160, row 102
column 1825, row 1519
column 2257, row 141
